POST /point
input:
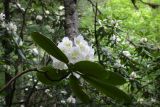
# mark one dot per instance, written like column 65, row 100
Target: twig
column 17, row 76
column 152, row 5
column 24, row 19
column 94, row 5
column 27, row 102
column 95, row 33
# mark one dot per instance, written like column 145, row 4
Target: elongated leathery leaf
column 49, row 47
column 77, row 89
column 108, row 89
column 114, row 78
column 96, row 70
column 90, row 68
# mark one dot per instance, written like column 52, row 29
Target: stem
column 95, row 33
column 14, row 78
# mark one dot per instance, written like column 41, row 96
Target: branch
column 24, row 19
column 27, row 102
column 94, row 5
column 152, row 5
column 17, row 76
column 95, row 34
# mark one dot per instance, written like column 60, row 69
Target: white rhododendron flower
column 35, row 51
column 126, row 53
column 61, row 7
column 118, row 64
column 12, row 28
column 3, row 25
column 47, row 12
column 77, row 50
column 133, row 75
column 115, row 39
column 2, row 16
column 63, row 101
column 64, row 92
column 140, row 100
column 143, row 40
column 153, row 100
column 39, row 17
column 19, row 6
column 71, row 100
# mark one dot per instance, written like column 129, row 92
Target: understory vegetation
column 93, row 53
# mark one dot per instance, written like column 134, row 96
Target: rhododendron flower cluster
column 2, row 16
column 126, row 53
column 77, row 50
column 11, row 27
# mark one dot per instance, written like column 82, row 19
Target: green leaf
column 90, row 68
column 49, row 75
column 49, row 47
column 108, row 89
column 77, row 89
column 114, row 78
column 96, row 70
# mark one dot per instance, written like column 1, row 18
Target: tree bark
column 8, row 48
column 71, row 18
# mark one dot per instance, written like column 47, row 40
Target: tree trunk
column 71, row 18
column 8, row 48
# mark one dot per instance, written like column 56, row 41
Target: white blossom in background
column 140, row 100
column 3, row 24
column 126, row 53
column 114, row 39
column 22, row 105
column 11, row 27
column 49, row 29
column 39, row 17
column 35, row 51
column 118, row 64
column 47, row 91
column 63, row 101
column 37, row 87
column 133, row 75
column 19, row 6
column 64, row 92
column 143, row 40
column 47, row 12
column 77, row 50
column 71, row 99
column 153, row 100
column 107, row 51
column 2, row 17
column 26, row 89
column 61, row 7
